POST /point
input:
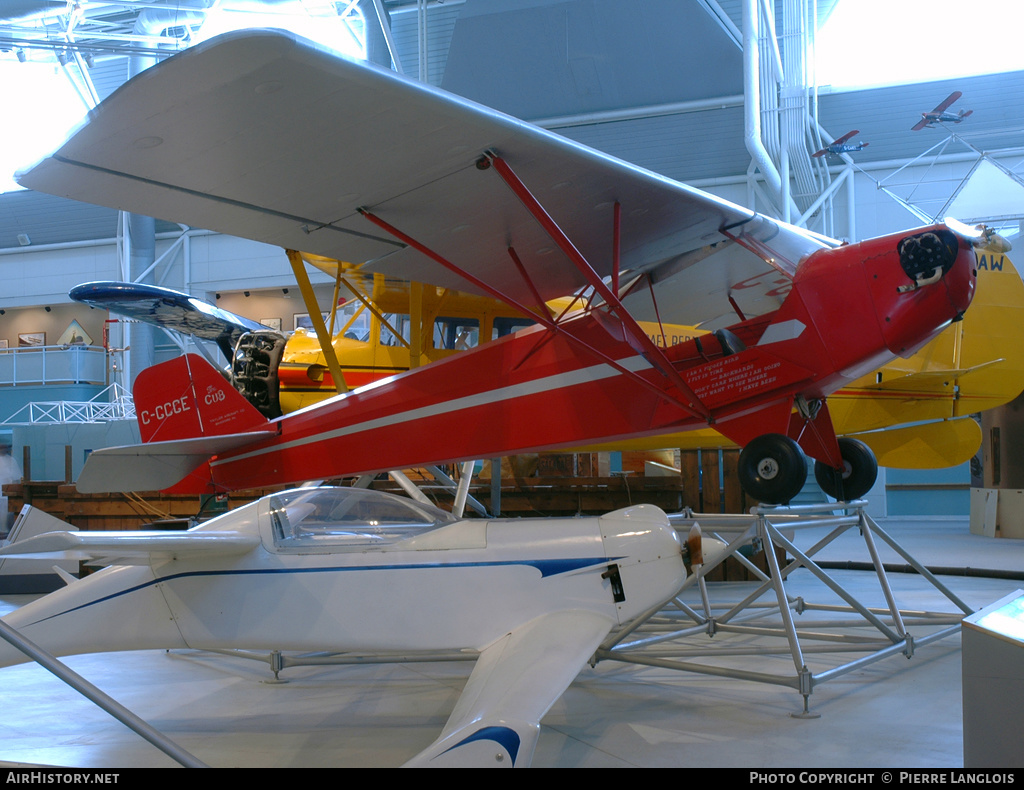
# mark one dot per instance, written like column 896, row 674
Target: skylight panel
column 874, row 43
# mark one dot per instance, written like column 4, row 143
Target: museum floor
column 892, row 713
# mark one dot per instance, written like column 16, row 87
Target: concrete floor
column 892, row 713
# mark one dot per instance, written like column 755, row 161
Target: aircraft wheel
column 860, row 469
column 772, row 469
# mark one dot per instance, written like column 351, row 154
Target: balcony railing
column 113, row 403
column 53, row 365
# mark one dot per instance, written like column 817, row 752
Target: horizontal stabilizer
column 128, row 548
column 157, row 465
column 516, row 680
column 928, row 379
column 932, row 445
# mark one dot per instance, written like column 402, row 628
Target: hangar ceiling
column 630, row 54
column 657, row 82
column 590, row 56
column 587, row 54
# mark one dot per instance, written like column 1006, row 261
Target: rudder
column 187, row 398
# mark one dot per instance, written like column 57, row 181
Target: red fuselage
column 849, row 311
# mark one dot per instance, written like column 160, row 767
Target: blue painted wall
column 930, row 501
column 46, row 444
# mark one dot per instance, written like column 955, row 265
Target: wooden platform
column 562, row 484
column 145, row 509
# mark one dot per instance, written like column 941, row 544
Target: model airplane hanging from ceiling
column 841, row 146
column 939, row 114
column 363, row 572
column 264, row 136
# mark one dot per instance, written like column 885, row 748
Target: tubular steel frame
column 665, row 638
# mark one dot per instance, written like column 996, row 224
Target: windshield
column 348, row 517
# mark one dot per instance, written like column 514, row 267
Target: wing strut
column 295, row 259
column 643, row 343
column 694, row 408
column 526, row 278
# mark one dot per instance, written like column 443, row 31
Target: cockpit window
column 356, row 517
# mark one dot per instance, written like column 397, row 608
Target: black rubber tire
column 860, row 470
column 772, row 469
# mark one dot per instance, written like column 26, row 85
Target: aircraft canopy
column 311, row 517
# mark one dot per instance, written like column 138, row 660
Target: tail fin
column 186, row 398
column 187, row 412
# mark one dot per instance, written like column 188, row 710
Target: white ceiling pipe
column 752, row 104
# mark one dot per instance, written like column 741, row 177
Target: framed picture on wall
column 3, row 343
column 271, row 323
column 74, row 335
column 29, row 339
column 303, row 321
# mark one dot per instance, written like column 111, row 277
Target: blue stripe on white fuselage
column 552, row 567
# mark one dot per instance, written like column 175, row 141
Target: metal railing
column 53, row 365
column 113, row 403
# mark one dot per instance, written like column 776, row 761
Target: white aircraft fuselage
column 288, row 573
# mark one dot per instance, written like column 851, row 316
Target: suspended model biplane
column 939, row 114
column 433, row 188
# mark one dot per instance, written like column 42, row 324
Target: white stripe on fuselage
column 535, row 387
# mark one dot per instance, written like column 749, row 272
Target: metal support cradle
column 705, row 627
column 758, row 618
column 763, row 621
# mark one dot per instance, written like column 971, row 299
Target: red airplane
column 264, row 136
column 839, row 145
column 939, row 114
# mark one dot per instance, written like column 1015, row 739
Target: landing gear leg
column 772, row 469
